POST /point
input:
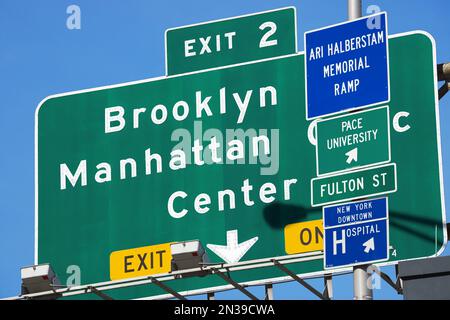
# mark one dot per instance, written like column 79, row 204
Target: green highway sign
column 231, row 41
column 217, row 154
column 356, row 140
column 353, row 185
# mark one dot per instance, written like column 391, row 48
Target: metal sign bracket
column 234, row 283
column 300, row 280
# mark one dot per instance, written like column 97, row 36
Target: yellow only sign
column 303, row 237
column 139, row 262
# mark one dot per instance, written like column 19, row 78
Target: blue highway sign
column 356, row 233
column 347, row 66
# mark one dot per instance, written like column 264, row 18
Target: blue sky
column 121, row 41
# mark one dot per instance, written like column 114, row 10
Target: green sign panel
column 213, row 154
column 231, row 41
column 353, row 141
column 353, row 185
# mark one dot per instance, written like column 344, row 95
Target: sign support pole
column 354, row 9
column 360, row 283
column 269, row 291
column 328, row 282
column 360, row 276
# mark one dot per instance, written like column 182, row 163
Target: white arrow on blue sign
column 356, row 233
column 347, row 66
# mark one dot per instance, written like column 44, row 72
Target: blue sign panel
column 353, row 212
column 356, row 233
column 347, row 66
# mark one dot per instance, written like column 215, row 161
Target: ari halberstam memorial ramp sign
column 223, row 156
column 347, row 66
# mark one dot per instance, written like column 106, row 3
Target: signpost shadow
column 278, row 214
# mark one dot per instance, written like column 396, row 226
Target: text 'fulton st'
column 346, row 66
column 352, row 185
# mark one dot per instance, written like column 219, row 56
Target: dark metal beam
column 100, row 294
column 444, row 89
column 167, row 289
column 448, row 230
column 300, row 280
column 234, row 284
column 443, row 71
column 396, row 285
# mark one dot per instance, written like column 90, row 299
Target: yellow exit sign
column 138, row 262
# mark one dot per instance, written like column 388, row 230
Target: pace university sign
column 355, row 140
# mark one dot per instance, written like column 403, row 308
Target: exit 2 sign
column 231, row 41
